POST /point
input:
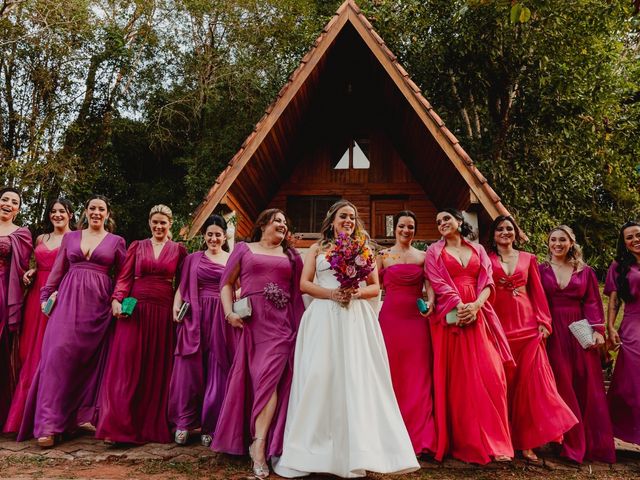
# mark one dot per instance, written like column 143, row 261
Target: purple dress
column 578, row 371
column 263, row 362
column 624, row 392
column 15, row 251
column 199, row 377
column 65, row 388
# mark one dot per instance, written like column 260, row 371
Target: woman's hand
column 176, row 310
column 234, row 320
column 614, row 338
column 598, row 340
column 341, row 296
column 430, row 309
column 27, row 278
column 544, row 331
column 468, row 313
column 116, row 308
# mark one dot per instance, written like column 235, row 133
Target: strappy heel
column 260, row 470
column 181, row 436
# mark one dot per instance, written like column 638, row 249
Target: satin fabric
column 578, row 371
column 537, row 413
column 624, row 392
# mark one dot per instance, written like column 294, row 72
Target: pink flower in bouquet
column 351, row 271
column 351, row 260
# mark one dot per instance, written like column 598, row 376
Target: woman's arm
column 612, row 313
column 226, row 298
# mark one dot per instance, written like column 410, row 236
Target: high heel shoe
column 260, row 470
column 205, row 440
column 530, row 456
column 47, row 441
column 181, row 436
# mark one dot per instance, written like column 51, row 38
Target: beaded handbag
column 583, row 331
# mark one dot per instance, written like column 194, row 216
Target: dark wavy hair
column 264, row 219
column 404, row 213
column 218, row 221
column 466, row 230
column 83, row 222
column 494, row 226
column 13, row 190
column 66, row 204
column 625, row 261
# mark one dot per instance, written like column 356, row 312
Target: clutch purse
column 128, row 304
column 583, row 331
column 183, row 311
column 242, row 307
column 423, row 307
column 51, row 301
column 452, row 316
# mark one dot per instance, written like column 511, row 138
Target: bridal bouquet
column 351, row 260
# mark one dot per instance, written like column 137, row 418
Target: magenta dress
column 624, row 392
column 199, row 378
column 578, row 371
column 408, row 341
column 64, row 391
column 537, row 413
column 135, row 390
column 263, row 361
column 15, row 252
column 33, row 327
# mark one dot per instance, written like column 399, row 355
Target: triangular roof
column 348, row 14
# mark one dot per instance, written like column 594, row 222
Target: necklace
column 159, row 243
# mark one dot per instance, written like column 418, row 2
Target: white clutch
column 242, row 307
column 583, row 331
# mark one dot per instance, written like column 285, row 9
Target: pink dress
column 469, row 379
column 537, row 413
column 578, row 371
column 33, row 325
column 408, row 341
column 135, row 391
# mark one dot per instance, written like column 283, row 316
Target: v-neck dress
column 578, row 371
column 135, row 392
column 537, row 413
column 65, row 388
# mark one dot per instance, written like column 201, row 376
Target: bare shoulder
column 40, row 239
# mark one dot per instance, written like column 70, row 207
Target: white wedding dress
column 343, row 417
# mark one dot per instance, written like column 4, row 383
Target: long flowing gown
column 537, row 413
column 624, row 392
column 578, row 371
column 135, row 390
column 200, row 370
column 469, row 362
column 15, row 252
column 408, row 342
column 33, row 326
column 343, row 417
column 263, row 361
column 64, row 391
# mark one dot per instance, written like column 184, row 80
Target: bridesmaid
column 200, row 369
column 572, row 291
column 135, row 390
column 623, row 283
column 406, row 332
column 15, row 251
column 537, row 413
column 64, row 392
column 469, row 379
column 257, row 392
column 59, row 216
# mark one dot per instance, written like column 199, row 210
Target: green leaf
column 515, row 12
column 525, row 15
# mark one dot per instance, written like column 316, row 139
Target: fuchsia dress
column 408, row 341
column 470, row 385
column 33, row 327
column 135, row 391
column 537, row 413
column 624, row 392
column 15, row 252
column 578, row 371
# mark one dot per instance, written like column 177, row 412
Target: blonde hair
column 163, row 210
column 574, row 255
column 327, row 225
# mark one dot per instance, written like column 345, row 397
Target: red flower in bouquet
column 351, row 260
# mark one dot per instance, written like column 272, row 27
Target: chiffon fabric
column 343, row 417
column 578, row 371
column 537, row 413
column 135, row 391
column 33, row 326
column 199, row 377
column 624, row 392
column 263, row 361
column 469, row 378
column 408, row 342
column 64, row 391
column 15, row 252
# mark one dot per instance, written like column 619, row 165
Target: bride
column 343, row 417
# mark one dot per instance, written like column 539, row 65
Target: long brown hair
column 574, row 255
column 109, row 224
column 264, row 219
column 326, row 230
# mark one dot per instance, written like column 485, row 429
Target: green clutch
column 128, row 304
